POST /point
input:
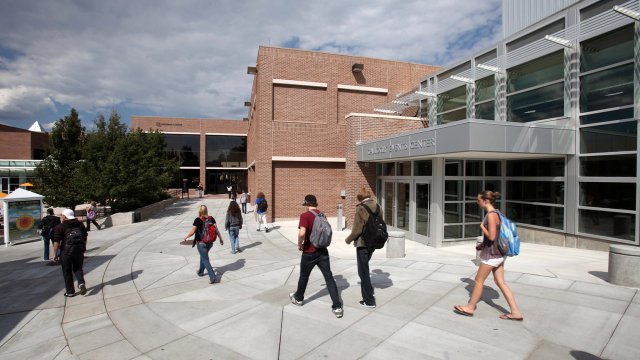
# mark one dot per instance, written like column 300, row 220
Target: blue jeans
column 46, row 241
column 203, row 250
column 307, row 263
column 234, row 231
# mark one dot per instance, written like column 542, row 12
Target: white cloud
column 189, row 58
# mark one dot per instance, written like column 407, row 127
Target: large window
column 485, row 98
column 452, row 105
column 226, row 151
column 535, row 90
column 464, row 179
column 535, row 192
column 185, row 148
column 608, row 136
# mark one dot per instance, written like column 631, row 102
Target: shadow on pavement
column 380, row 279
column 236, row 265
column 119, row 280
column 488, row 295
column 253, row 244
column 600, row 274
column 581, row 355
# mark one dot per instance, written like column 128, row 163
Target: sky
column 189, row 58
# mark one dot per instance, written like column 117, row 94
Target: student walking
column 203, row 248
column 261, row 211
column 243, row 201
column 47, row 227
column 91, row 216
column 312, row 256
column 363, row 254
column 491, row 260
column 233, row 224
column 71, row 238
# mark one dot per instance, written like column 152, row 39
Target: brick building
column 299, row 122
column 20, row 151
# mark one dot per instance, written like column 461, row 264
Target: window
column 608, row 134
column 485, row 98
column 536, row 89
column 535, row 35
column 535, row 192
column 226, row 151
column 452, row 105
column 422, row 168
column 185, row 148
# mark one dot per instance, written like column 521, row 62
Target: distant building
column 20, row 151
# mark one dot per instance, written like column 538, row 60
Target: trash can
column 395, row 244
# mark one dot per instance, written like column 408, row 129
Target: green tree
column 59, row 176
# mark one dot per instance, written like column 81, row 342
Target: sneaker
column 367, row 305
column 69, row 295
column 267, row 230
column 212, row 281
column 83, row 289
column 294, row 301
column 239, row 250
column 338, row 312
column 199, row 273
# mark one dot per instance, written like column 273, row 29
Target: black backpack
column 375, row 230
column 73, row 240
column 262, row 205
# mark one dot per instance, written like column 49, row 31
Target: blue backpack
column 508, row 239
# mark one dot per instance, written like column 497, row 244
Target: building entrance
column 407, row 207
column 218, row 180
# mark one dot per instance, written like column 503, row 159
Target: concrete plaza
column 145, row 301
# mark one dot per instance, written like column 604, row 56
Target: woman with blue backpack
column 491, row 260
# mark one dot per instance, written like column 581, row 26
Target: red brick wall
column 308, row 122
column 18, row 144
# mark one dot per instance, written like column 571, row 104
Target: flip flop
column 510, row 317
column 458, row 310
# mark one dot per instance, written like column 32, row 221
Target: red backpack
column 209, row 230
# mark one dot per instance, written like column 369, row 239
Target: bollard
column 339, row 217
column 395, row 244
column 624, row 261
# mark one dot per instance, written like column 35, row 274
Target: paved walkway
column 146, row 302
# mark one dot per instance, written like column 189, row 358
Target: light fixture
column 461, row 78
column 627, row 12
column 425, row 93
column 559, row 40
column 247, row 103
column 385, row 111
column 400, row 102
column 252, row 70
column 494, row 69
column 357, row 68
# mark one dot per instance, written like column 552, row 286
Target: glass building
column 547, row 117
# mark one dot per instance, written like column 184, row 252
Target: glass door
column 423, row 211
column 389, row 203
column 403, row 213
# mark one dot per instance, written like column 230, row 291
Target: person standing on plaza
column 200, row 190
column 261, row 211
column 203, row 248
column 229, row 188
column 71, row 238
column 491, row 260
column 234, row 192
column 91, row 216
column 233, row 224
column 363, row 253
column 47, row 226
column 243, row 201
column 312, row 256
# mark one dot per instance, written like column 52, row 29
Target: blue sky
column 189, row 58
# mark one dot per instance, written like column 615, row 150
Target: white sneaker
column 338, row 312
column 294, row 300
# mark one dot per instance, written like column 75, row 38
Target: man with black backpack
column 314, row 236
column 47, row 225
column 368, row 233
column 71, row 238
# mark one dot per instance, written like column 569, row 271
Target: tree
column 59, row 176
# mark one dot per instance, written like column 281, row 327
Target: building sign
column 23, row 218
column 159, row 124
column 403, row 146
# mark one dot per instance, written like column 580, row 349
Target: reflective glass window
column 472, row 212
column 473, row 168
column 540, row 71
column 485, row 88
column 486, row 111
column 452, row 231
column 540, row 215
column 453, row 168
column 472, row 189
column 453, row 190
column 621, row 114
column 551, row 192
column 607, row 49
column 404, row 168
column 536, row 167
column 492, row 168
column 608, row 166
column 608, row 138
column 453, row 213
column 606, row 89
column 537, row 104
column 452, row 116
column 422, row 168
column 226, row 151
column 185, row 148
column 605, row 223
column 608, row 195
column 452, row 99
column 471, row 231
column 389, row 169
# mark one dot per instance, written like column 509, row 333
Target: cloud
column 190, row 58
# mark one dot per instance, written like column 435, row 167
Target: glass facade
column 226, row 151
column 185, row 148
column 452, row 105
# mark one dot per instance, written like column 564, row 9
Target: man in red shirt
column 312, row 256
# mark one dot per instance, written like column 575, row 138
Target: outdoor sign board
column 22, row 219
